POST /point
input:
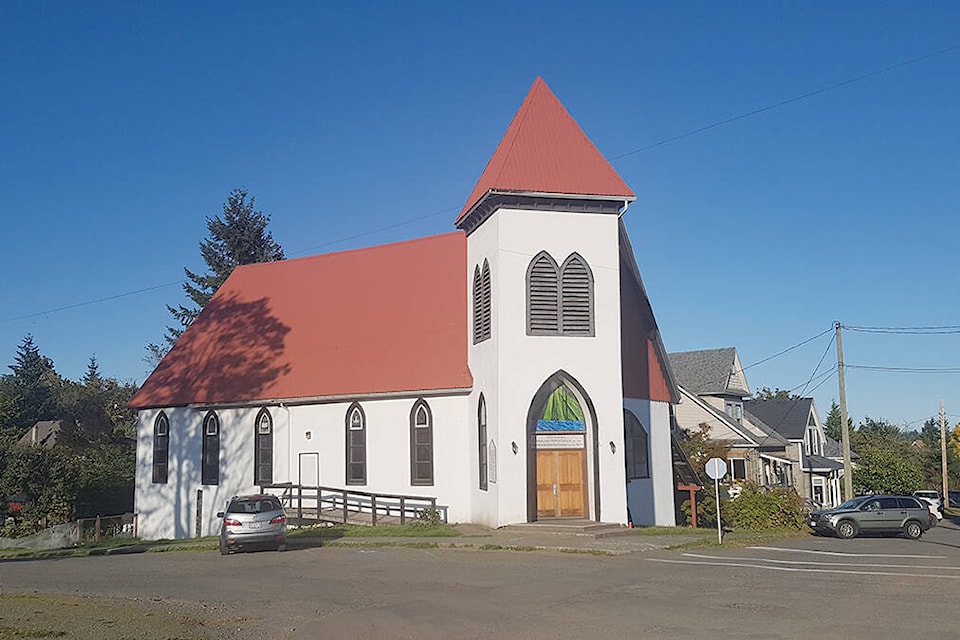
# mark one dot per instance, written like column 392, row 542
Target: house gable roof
column 381, row 320
column 710, row 372
column 544, row 151
column 786, row 417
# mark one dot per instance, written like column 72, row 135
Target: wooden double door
column 561, row 486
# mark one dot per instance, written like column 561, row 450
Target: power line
column 941, row 330
column 782, row 103
column 89, row 302
column 905, row 369
column 126, row 294
column 789, row 349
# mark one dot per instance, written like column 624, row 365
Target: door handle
column 554, row 488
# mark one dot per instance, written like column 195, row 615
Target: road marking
column 828, row 564
column 802, row 570
column 850, row 555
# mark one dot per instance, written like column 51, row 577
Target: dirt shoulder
column 89, row 617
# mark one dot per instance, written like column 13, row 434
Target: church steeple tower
column 544, row 154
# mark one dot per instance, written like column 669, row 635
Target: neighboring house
column 42, row 434
column 798, row 421
column 512, row 369
column 713, row 391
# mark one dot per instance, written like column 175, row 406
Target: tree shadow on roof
column 233, row 352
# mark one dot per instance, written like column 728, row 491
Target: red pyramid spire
column 545, row 151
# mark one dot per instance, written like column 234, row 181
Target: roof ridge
column 372, row 247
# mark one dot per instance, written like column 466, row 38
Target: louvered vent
column 485, row 303
column 476, row 305
column 543, row 297
column 577, row 301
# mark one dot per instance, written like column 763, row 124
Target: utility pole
column 943, row 456
column 845, row 428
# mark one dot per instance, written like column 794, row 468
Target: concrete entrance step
column 571, row 527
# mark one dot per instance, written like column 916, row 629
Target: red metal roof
column 545, row 151
column 384, row 319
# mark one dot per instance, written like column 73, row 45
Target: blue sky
column 124, row 125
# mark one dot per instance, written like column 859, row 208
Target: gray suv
column 257, row 520
column 874, row 514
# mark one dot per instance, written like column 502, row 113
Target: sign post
column 716, row 469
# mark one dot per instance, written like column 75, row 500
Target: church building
column 512, row 369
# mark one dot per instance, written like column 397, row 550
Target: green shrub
column 760, row 509
column 428, row 517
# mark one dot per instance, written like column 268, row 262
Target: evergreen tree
column 33, row 387
column 833, row 426
column 92, row 379
column 238, row 237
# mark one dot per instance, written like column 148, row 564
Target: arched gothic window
column 482, row 440
column 543, row 296
column 636, row 451
column 356, row 445
column 263, row 449
column 421, row 445
column 161, row 448
column 482, row 303
column 210, row 463
column 576, row 287
column 559, row 299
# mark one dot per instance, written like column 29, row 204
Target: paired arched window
column 356, row 445
column 559, row 299
column 263, row 449
column 636, row 451
column 210, row 460
column 482, row 304
column 161, row 448
column 421, row 445
column 482, row 441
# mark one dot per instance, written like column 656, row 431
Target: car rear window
column 909, row 503
column 254, row 505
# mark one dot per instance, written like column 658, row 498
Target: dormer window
column 735, row 411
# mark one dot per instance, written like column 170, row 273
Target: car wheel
column 224, row 549
column 846, row 529
column 282, row 547
column 913, row 530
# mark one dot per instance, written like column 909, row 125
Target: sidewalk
column 530, row 538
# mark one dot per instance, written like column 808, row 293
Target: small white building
column 512, row 369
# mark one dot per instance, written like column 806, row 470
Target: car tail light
column 278, row 520
column 230, row 522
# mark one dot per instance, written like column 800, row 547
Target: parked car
column 931, row 495
column 954, row 498
column 253, row 521
column 875, row 514
column 936, row 505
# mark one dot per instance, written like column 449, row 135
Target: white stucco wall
column 651, row 499
column 169, row 510
column 483, row 361
column 526, row 362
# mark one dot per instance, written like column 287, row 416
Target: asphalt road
column 810, row 588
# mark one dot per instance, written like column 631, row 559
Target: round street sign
column 716, row 468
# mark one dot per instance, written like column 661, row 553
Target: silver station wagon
column 874, row 514
column 253, row 521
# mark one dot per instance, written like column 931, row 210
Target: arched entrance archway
column 562, row 452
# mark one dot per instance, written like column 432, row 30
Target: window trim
column 258, row 477
column 210, row 450
column 161, row 445
column 355, row 408
column 421, row 406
